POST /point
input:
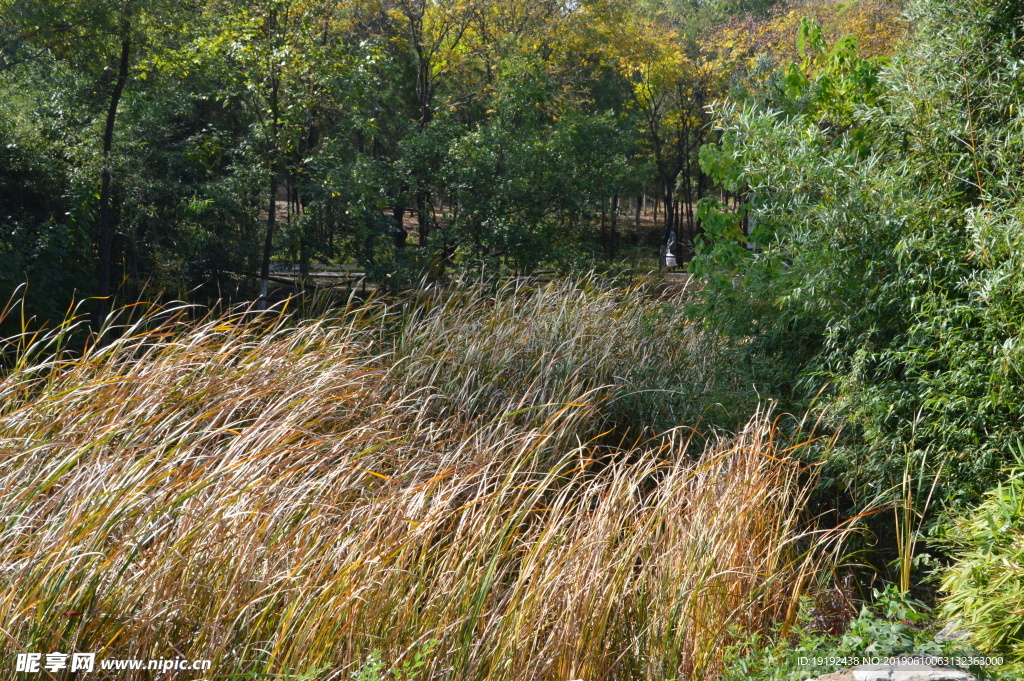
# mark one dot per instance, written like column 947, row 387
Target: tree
column 527, row 183
column 274, row 58
column 103, row 37
column 437, row 31
column 670, row 90
column 883, row 260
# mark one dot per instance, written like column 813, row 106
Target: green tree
column 104, row 38
column 877, row 259
column 529, row 181
column 277, row 59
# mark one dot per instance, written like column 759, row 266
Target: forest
column 147, row 150
column 493, row 340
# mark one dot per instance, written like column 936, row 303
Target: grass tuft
column 286, row 496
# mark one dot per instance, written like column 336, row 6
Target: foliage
column 401, row 136
column 856, row 217
column 372, row 668
column 894, row 624
column 871, row 258
column 44, row 246
column 985, row 595
column 528, row 183
column 739, row 44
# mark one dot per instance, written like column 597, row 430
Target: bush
column 881, row 260
column 895, row 624
column 985, row 586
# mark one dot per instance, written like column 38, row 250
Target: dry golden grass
column 284, row 497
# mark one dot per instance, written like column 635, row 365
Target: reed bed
column 293, row 498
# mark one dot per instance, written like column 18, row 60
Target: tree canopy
column 187, row 150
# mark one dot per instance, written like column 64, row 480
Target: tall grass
column 630, row 348
column 285, row 497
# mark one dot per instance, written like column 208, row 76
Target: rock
column 951, row 632
column 904, row 668
column 844, row 675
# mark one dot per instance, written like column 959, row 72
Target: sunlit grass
column 285, row 496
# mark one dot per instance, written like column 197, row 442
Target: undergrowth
column 894, row 624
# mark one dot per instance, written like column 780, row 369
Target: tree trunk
column 669, row 215
column 689, row 211
column 424, row 225
column 398, row 214
column 604, row 231
column 105, row 229
column 298, row 211
column 688, row 194
column 701, row 185
column 614, row 232
column 268, row 241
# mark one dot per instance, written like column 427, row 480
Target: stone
column 951, row 632
column 903, row 668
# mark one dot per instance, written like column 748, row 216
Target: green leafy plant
column 985, row 584
column 880, row 262
column 371, row 668
column 894, row 624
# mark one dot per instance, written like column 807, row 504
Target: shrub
column 985, row 585
column 895, row 624
column 882, row 261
